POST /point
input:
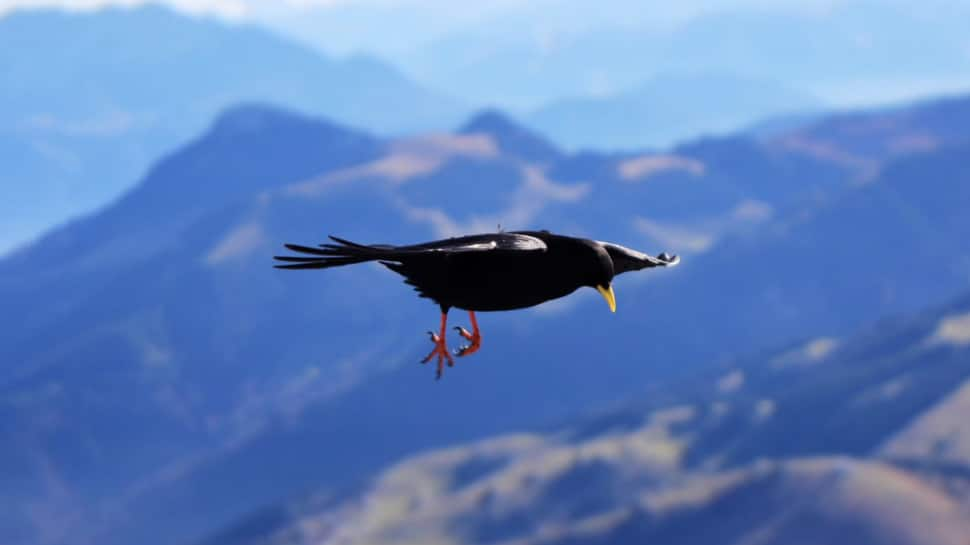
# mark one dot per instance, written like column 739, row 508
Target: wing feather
column 503, row 242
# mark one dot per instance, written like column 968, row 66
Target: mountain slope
column 802, row 445
column 82, row 120
column 868, row 139
column 163, row 374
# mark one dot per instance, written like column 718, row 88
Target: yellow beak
column 607, row 294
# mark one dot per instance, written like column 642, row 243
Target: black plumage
column 488, row 272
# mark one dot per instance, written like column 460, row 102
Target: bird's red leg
column 440, row 348
column 475, row 337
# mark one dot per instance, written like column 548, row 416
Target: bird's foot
column 440, row 350
column 475, row 342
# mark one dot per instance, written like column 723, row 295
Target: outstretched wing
column 345, row 252
column 625, row 259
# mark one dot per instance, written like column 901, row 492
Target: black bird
column 496, row 271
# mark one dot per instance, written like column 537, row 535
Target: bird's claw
column 441, row 351
column 475, row 342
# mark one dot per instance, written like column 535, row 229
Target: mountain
column 868, row 139
column 859, row 439
column 512, row 138
column 81, row 121
column 665, row 110
column 847, row 53
column 163, row 380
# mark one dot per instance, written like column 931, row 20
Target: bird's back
column 489, row 281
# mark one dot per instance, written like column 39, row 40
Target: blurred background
column 802, row 378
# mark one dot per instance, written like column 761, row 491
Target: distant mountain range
column 834, row 440
column 666, row 110
column 162, row 380
column 88, row 100
column 844, row 53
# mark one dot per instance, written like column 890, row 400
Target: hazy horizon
column 399, row 30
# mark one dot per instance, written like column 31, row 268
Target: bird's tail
column 325, row 256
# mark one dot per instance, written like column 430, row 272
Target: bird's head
column 623, row 260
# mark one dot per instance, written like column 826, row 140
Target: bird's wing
column 625, row 259
column 493, row 242
column 345, row 252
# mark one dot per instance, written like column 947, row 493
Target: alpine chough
column 488, row 272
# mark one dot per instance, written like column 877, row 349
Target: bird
column 486, row 272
